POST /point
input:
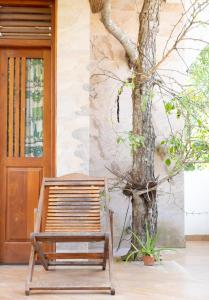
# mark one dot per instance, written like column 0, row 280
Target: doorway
column 26, row 131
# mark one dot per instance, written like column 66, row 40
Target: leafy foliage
column 135, row 141
column 148, row 248
column 188, row 149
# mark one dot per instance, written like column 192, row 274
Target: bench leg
column 106, row 245
column 110, row 260
column 30, row 270
column 40, row 254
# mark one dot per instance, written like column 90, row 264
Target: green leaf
column 178, row 114
column 120, row 140
column 168, row 162
column 169, row 107
column 134, row 247
column 190, row 167
column 131, row 254
column 130, row 85
column 120, row 90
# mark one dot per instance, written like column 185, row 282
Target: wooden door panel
column 16, row 218
column 26, row 145
column 15, row 253
column 23, row 185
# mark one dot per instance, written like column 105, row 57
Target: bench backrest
column 72, row 204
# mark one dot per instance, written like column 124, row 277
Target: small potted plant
column 147, row 250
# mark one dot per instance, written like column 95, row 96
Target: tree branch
column 200, row 7
column 118, row 33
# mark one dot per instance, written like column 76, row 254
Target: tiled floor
column 183, row 275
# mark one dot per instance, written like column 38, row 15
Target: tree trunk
column 145, row 206
column 143, row 59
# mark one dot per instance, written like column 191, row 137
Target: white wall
column 73, row 55
column 196, row 186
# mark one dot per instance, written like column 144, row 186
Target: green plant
column 135, row 141
column 148, row 248
column 188, row 148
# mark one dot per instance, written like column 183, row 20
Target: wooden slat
column 77, row 183
column 25, row 23
column 11, row 106
column 72, row 214
column 17, row 106
column 71, row 199
column 71, row 222
column 77, row 255
column 25, row 17
column 60, row 286
column 85, row 192
column 80, row 226
column 76, row 263
column 80, row 236
column 74, row 230
column 72, row 218
column 79, row 178
column 65, row 236
column 69, row 212
column 25, row 36
column 76, row 224
column 19, row 9
column 73, row 227
column 67, row 209
column 73, row 196
column 73, row 204
column 14, row 43
column 23, row 106
column 31, row 30
column 78, row 188
column 29, row 3
column 51, row 200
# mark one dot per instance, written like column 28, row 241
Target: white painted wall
column 196, row 187
column 73, row 55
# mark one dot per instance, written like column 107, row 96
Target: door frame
column 50, row 44
column 41, row 44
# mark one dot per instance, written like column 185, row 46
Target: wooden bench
column 69, row 211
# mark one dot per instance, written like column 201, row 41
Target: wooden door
column 25, row 145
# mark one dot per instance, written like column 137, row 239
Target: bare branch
column 118, row 33
column 185, row 29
